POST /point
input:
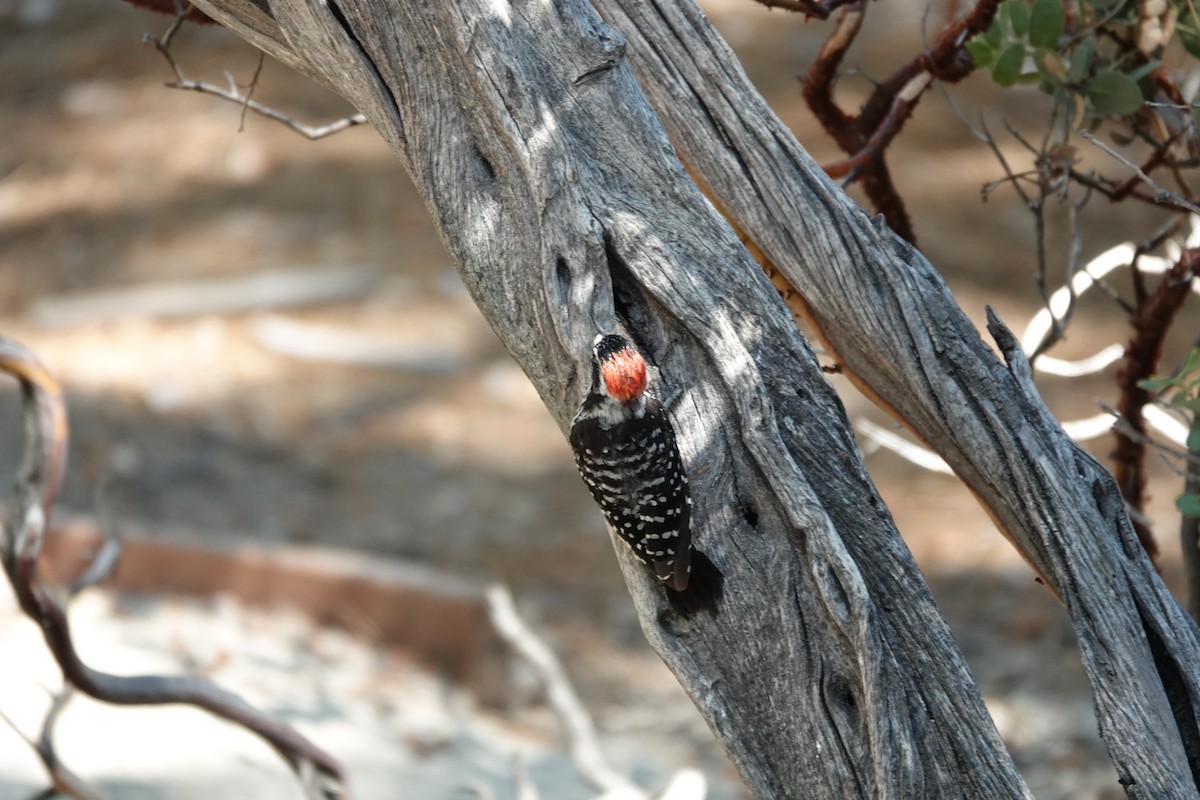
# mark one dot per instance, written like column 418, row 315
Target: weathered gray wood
column 888, row 317
column 828, row 672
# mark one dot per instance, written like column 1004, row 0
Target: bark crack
column 368, row 63
column 1179, row 699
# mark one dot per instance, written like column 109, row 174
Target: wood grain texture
column 888, row 317
column 828, row 672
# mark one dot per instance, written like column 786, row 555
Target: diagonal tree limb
column 567, row 212
column 886, row 315
column 563, row 205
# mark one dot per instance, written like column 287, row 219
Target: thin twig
column 21, row 538
column 63, row 782
column 250, row 90
column 809, row 8
column 582, row 741
column 1074, row 265
column 523, row 785
column 1036, row 207
column 1010, row 176
column 101, row 566
column 1161, row 195
column 233, row 95
column 1170, row 453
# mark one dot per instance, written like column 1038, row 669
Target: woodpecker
column 626, row 452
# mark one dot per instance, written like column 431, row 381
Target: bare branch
column 233, row 95
column 1161, row 195
column 37, row 484
column 582, row 742
column 522, row 784
column 250, row 91
column 1171, row 455
column 821, row 9
column 62, row 780
column 101, row 566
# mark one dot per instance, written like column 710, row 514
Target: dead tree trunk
column 828, row 672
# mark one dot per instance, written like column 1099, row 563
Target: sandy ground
column 191, row 425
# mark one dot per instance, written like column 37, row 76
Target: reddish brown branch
column 866, row 137
column 876, row 180
column 902, row 106
column 1156, row 159
column 1151, row 323
column 817, row 86
column 38, row 480
column 809, row 8
column 1110, row 189
column 852, row 134
column 175, row 8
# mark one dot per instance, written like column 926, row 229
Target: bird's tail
column 705, row 589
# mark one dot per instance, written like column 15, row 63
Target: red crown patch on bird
column 622, row 367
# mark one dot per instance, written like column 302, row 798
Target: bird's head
column 620, row 368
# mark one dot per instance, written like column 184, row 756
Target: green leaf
column 1192, row 362
column 1045, row 23
column 1003, row 17
column 1018, row 18
column 1007, row 68
column 981, row 52
column 994, row 35
column 1144, row 70
column 1188, row 504
column 1193, row 440
column 1190, row 38
column 1113, row 94
column 1155, row 384
column 1081, row 60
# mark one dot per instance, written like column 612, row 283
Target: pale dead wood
column 828, row 672
column 887, row 316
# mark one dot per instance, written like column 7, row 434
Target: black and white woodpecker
column 626, row 452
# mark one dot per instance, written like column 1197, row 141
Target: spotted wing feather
column 634, row 472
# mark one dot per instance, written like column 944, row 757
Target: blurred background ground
column 194, row 426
